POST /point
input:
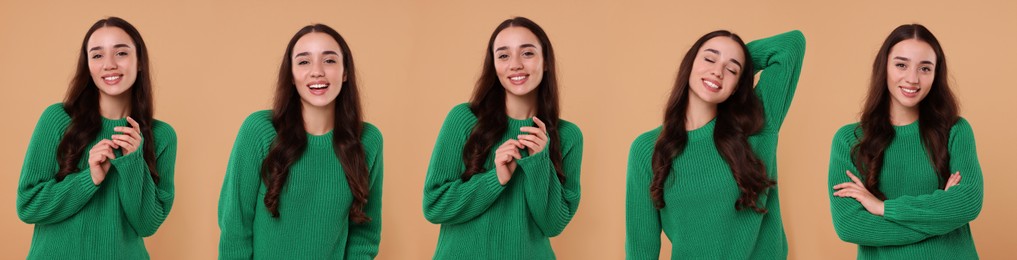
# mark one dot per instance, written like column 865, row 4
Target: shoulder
column 371, row 137
column 961, row 130
column 55, row 116
column 569, row 131
column 257, row 127
column 461, row 114
column 644, row 143
column 848, row 134
column 164, row 134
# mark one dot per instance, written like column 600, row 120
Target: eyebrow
column 736, row 62
column 906, row 59
column 114, row 46
column 527, row 45
column 309, row 53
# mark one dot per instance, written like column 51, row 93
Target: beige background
column 215, row 62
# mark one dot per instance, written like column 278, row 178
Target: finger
column 515, row 143
column 540, row 124
column 854, row 179
column 530, row 144
column 539, row 133
column 127, row 146
column 134, row 124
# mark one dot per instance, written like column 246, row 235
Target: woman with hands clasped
column 504, row 174
column 98, row 174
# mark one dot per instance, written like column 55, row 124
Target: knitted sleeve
column 642, row 219
column 145, row 203
column 449, row 199
column 41, row 198
column 239, row 196
column 943, row 211
column 364, row 238
column 779, row 58
column 551, row 202
column 850, row 219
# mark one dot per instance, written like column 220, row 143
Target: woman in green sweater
column 706, row 177
column 504, row 174
column 98, row 174
column 304, row 179
column 895, row 177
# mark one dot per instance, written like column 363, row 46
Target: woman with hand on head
column 304, row 179
column 98, row 174
column 707, row 176
column 504, row 174
column 895, row 177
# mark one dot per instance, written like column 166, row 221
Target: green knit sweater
column 75, row 218
column 314, row 204
column 480, row 218
column 920, row 220
column 699, row 217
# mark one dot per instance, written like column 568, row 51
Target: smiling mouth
column 908, row 90
column 518, row 79
column 112, row 79
column 710, row 84
column 318, row 86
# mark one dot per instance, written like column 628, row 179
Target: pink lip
column 906, row 94
column 708, row 88
column 318, row 91
column 112, row 82
column 518, row 82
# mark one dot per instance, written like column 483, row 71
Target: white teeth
column 318, row 86
column 111, row 78
column 710, row 84
column 909, row 91
column 518, row 78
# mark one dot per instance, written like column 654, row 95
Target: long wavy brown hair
column 291, row 137
column 488, row 104
column 82, row 104
column 738, row 117
column 937, row 113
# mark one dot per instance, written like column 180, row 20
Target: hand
column 954, row 179
column 856, row 189
column 505, row 160
column 98, row 160
column 130, row 140
column 536, row 141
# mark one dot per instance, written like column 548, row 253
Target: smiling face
column 318, row 72
column 112, row 60
column 910, row 70
column 716, row 70
column 518, row 60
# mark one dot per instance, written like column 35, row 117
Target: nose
column 515, row 64
column 911, row 77
column 717, row 71
column 108, row 63
column 317, row 71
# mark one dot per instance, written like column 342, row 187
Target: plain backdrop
column 215, row 62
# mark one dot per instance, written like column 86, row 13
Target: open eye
column 502, row 56
column 926, row 69
column 122, row 53
column 529, row 54
column 331, row 61
column 901, row 66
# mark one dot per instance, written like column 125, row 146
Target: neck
column 521, row 107
column 318, row 120
column 900, row 115
column 699, row 113
column 115, row 107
